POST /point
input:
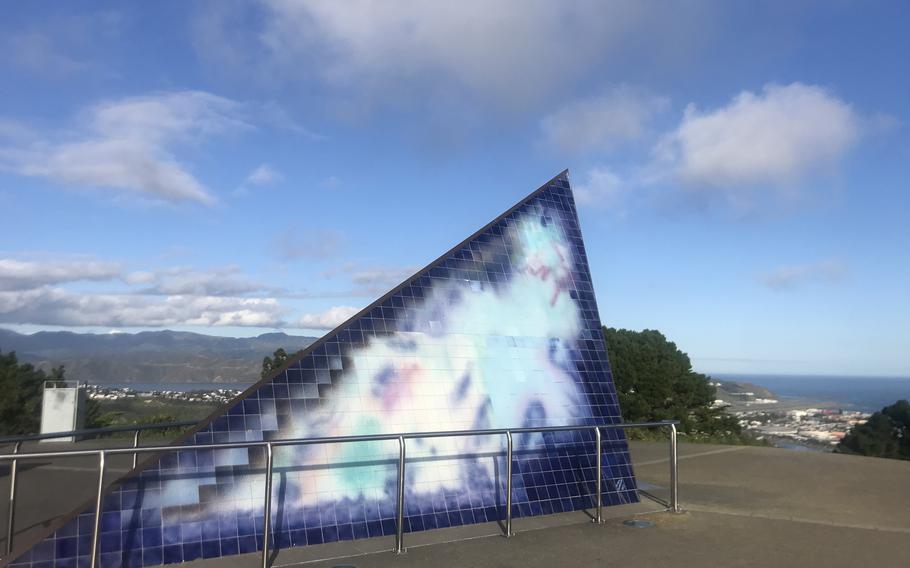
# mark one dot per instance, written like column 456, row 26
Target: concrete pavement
column 744, row 506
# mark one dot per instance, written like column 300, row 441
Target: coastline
column 800, row 422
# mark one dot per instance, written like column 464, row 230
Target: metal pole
column 508, row 484
column 599, row 519
column 674, row 481
column 97, row 528
column 12, row 501
column 135, row 445
column 399, row 532
column 267, row 517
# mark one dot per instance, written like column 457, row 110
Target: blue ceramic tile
column 502, row 332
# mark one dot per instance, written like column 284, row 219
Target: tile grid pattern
column 218, row 512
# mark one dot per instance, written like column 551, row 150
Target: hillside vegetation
column 150, row 356
column 655, row 381
column 885, row 435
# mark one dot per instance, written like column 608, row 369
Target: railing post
column 597, row 444
column 267, row 509
column 674, row 471
column 96, row 530
column 508, row 484
column 399, row 529
column 135, row 445
column 12, row 501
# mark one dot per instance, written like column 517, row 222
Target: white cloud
column 370, row 281
column 328, row 319
column 55, row 306
column 129, row 145
column 787, row 277
column 382, row 276
column 509, row 51
column 601, row 187
column 23, row 274
column 140, row 277
column 183, row 281
column 14, row 131
column 36, row 52
column 37, row 291
column 620, row 116
column 263, row 175
column 60, row 46
column 776, row 137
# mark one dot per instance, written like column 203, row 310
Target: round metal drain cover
column 638, row 523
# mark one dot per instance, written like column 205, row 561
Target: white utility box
column 63, row 409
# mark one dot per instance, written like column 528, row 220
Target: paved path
column 48, row 488
column 745, row 506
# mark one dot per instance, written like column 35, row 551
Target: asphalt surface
column 743, row 506
column 49, row 488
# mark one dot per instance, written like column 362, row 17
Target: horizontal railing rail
column 17, row 441
column 94, row 432
column 269, row 445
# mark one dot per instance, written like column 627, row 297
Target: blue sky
column 232, row 168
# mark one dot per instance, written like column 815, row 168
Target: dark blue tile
column 172, row 554
column 211, row 549
column 192, row 551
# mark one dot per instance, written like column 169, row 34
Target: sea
column 866, row 394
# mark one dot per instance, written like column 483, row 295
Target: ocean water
column 867, row 394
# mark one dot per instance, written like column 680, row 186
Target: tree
column 886, row 434
column 23, row 387
column 655, row 381
column 95, row 417
column 276, row 361
column 20, row 403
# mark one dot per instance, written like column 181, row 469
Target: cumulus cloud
column 775, row 137
column 620, row 116
column 519, row 51
column 37, row 292
column 601, row 187
column 372, row 280
column 328, row 319
column 264, row 174
column 23, row 274
column 383, row 276
column 130, row 144
column 59, row 307
column 788, row 277
column 221, row 281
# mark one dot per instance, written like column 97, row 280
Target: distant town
column 219, row 395
column 784, row 423
column 787, row 423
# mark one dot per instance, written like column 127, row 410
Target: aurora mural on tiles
column 501, row 332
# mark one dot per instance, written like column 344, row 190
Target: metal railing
column 16, row 441
column 399, row 536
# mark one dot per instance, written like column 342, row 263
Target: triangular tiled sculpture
column 500, row 332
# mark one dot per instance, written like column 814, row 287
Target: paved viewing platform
column 743, row 506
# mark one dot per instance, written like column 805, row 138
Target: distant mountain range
column 150, row 356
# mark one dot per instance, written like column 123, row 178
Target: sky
column 235, row 168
